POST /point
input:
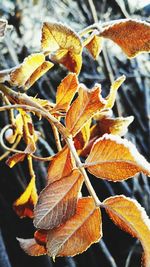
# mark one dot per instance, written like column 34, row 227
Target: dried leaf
column 86, row 105
column 65, row 92
column 57, row 202
column 64, row 43
column 33, row 67
column 113, row 91
column 94, row 44
column 61, row 165
column 78, row 233
column 133, row 36
column 40, row 237
column 3, row 26
column 115, row 126
column 24, row 205
column 115, row 159
column 40, row 71
column 31, row 247
column 132, row 218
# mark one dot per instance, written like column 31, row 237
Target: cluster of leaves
column 66, row 222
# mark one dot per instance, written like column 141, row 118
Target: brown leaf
column 40, row 237
column 86, row 105
column 64, row 43
column 31, row 247
column 78, row 233
column 57, row 202
column 94, row 44
column 33, row 67
column 65, row 92
column 115, row 159
column 24, row 205
column 61, row 165
column 3, row 26
column 133, row 36
column 132, row 218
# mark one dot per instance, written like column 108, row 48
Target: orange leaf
column 61, row 165
column 57, row 202
column 78, row 233
column 24, row 205
column 115, row 126
column 132, row 218
column 30, row 70
column 31, row 247
column 133, row 36
column 64, row 43
column 65, row 92
column 94, row 44
column 86, row 105
column 115, row 159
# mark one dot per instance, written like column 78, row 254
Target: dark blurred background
column 117, row 249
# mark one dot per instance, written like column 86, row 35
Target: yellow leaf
column 82, row 137
column 30, row 70
column 57, row 201
column 24, row 205
column 115, row 159
column 86, row 105
column 64, row 43
column 132, row 218
column 132, row 35
column 113, row 91
column 78, row 233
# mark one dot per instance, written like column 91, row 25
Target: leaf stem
column 31, row 106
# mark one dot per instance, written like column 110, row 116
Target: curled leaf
column 63, row 44
column 132, row 218
column 32, row 68
column 86, row 105
column 115, row 159
column 133, row 36
column 113, row 91
column 31, row 247
column 57, row 202
column 24, row 205
column 78, row 233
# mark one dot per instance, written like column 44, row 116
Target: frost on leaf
column 57, row 201
column 115, row 159
column 133, row 36
column 132, row 218
column 86, row 105
column 78, row 233
column 63, row 45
